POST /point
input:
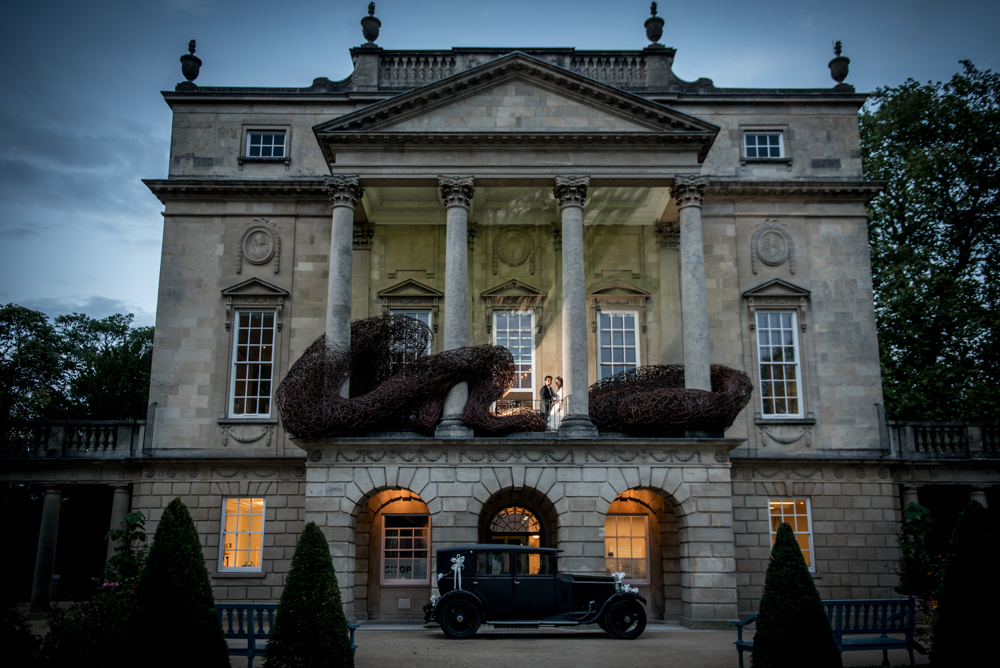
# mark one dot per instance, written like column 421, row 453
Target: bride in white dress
column 555, row 413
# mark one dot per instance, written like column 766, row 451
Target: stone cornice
column 185, row 189
column 862, row 191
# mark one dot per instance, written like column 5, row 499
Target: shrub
column 18, row 645
column 969, row 590
column 310, row 630
column 792, row 627
column 174, row 596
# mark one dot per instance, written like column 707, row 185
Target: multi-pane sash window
column 515, row 331
column 405, row 549
column 619, row 344
column 423, row 316
column 796, row 513
column 777, row 354
column 242, row 534
column 265, row 144
column 253, row 362
column 625, row 545
column 763, row 145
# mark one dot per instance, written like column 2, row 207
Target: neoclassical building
column 590, row 212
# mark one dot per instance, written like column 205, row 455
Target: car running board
column 531, row 624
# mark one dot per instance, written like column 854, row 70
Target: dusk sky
column 82, row 119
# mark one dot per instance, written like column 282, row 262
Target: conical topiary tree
column 963, row 632
column 792, row 628
column 174, row 597
column 310, row 630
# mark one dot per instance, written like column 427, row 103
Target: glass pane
column 605, row 321
column 639, row 526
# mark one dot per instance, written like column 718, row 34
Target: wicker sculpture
column 652, row 401
column 389, row 377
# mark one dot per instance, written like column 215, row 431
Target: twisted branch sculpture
column 652, row 401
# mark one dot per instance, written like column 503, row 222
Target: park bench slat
column 249, row 619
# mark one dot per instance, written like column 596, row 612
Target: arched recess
column 652, row 514
column 393, row 568
column 531, row 500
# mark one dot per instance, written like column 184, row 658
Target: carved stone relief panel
column 616, row 249
column 772, row 245
column 259, row 243
column 514, row 247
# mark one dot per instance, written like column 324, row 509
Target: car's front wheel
column 625, row 620
column 459, row 619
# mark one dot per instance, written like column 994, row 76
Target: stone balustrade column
column 119, row 509
column 457, row 193
column 344, row 193
column 571, row 192
column 45, row 558
column 689, row 192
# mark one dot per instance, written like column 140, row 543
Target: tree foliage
column 31, row 365
column 921, row 567
column 935, row 243
column 792, row 628
column 310, row 629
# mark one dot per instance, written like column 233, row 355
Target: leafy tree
column 963, row 630
column 31, row 367
column 174, row 592
column 792, row 628
column 310, row 630
column 935, row 243
column 108, row 365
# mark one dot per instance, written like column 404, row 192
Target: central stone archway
column 521, row 516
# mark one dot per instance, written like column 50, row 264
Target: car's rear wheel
column 459, row 619
column 625, row 620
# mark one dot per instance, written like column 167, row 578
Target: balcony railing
column 82, row 439
column 944, row 440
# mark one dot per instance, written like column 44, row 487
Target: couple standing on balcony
column 552, row 402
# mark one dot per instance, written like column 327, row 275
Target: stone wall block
column 517, row 473
column 467, row 474
column 504, row 476
column 405, row 477
column 631, row 477
column 391, row 476
column 546, row 479
column 645, row 476
column 672, row 482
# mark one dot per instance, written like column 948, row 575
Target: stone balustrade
column 944, row 440
column 83, row 439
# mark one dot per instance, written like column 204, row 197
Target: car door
column 494, row 583
column 534, row 585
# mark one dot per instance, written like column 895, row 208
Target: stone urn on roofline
column 370, row 25
column 654, row 25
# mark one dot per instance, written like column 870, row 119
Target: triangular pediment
column 777, row 288
column 410, row 288
column 513, row 288
column 619, row 288
column 255, row 287
column 516, row 93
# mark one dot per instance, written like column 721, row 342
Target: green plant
column 174, row 595
column 920, row 568
column 310, row 630
column 130, row 552
column 792, row 628
column 19, row 645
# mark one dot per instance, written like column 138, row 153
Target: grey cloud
column 94, row 306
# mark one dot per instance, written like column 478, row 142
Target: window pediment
column 412, row 294
column 515, row 295
column 618, row 294
column 777, row 293
column 254, row 292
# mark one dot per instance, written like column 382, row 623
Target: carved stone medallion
column 513, row 246
column 259, row 244
column 772, row 245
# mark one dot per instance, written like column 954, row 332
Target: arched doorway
column 518, row 516
column 515, row 525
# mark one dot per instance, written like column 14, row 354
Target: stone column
column 119, row 509
column 910, row 495
column 979, row 495
column 671, row 338
column 571, row 191
column 45, row 558
column 457, row 193
column 344, row 193
column 689, row 191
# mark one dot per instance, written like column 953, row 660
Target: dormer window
column 763, row 144
column 266, row 144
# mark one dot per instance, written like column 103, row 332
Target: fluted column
column 457, row 193
column 571, row 192
column 45, row 557
column 119, row 509
column 689, row 191
column 344, row 193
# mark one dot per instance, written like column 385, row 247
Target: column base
column 577, row 426
column 452, row 427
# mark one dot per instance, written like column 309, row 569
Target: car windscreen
column 535, row 563
column 493, row 563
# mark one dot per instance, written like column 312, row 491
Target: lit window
column 777, row 355
column 423, row 316
column 265, row 144
column 253, row 361
column 625, row 546
column 405, row 549
column 619, row 344
column 763, row 145
column 515, row 331
column 242, row 534
column 796, row 513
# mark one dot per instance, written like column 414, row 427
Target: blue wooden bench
column 851, row 618
column 253, row 622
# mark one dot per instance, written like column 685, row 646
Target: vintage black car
column 514, row 585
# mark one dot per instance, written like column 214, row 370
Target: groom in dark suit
column 545, row 394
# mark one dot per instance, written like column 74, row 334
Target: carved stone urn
column 654, row 25
column 370, row 25
column 190, row 63
column 839, row 65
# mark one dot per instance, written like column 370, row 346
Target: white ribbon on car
column 620, row 585
column 457, row 566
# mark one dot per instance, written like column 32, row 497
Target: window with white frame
column 618, row 342
column 253, row 364
column 515, row 331
column 405, row 549
column 423, row 315
column 265, row 144
column 242, row 537
column 626, row 546
column 797, row 512
column 778, row 359
column 763, row 144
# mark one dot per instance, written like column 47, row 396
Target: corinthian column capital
column 690, row 190
column 344, row 190
column 571, row 190
column 456, row 190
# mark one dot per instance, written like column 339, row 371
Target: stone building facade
column 588, row 210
